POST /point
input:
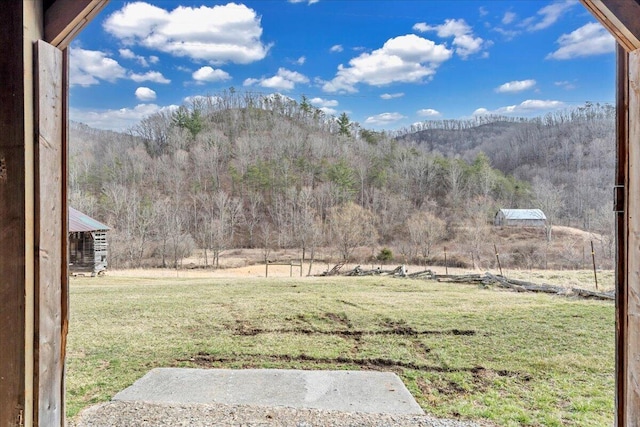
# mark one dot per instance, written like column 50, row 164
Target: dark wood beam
column 64, row 19
column 620, row 17
column 13, row 239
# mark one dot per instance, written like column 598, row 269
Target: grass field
column 509, row 358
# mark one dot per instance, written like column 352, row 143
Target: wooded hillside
column 238, row 170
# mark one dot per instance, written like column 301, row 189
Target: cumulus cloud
column 530, row 106
column 149, row 76
column 88, row 67
column 118, row 120
column 406, row 59
column 128, row 54
column 301, row 60
column 464, row 41
column 283, row 80
column 336, row 48
column 209, row 74
column 325, row 105
column 516, row 86
column 320, row 102
column 218, row 34
column 590, row 39
column 428, row 112
column 387, row 96
column 304, row 1
column 548, row 15
column 384, row 119
column 145, row 94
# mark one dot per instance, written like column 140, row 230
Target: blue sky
column 387, row 64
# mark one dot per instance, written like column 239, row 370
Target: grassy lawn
column 510, row 358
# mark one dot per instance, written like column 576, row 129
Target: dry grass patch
column 508, row 358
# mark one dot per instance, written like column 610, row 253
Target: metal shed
column 520, row 218
column 87, row 244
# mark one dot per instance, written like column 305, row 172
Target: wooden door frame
column 58, row 21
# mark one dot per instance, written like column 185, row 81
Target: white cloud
column 565, row 84
column 482, row 11
column 301, row 60
column 209, row 74
column 508, row 18
column 154, row 59
column 145, row 94
column 283, row 80
column 548, row 15
column 428, row 112
column 88, row 67
column 118, row 120
column 392, row 95
column 590, row 39
column 464, row 41
column 320, row 102
column 407, row 59
column 516, row 86
column 336, row 48
column 384, row 119
column 530, row 106
column 128, row 54
column 218, row 34
column 303, row 1
column 149, row 76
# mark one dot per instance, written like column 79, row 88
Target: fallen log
column 592, row 294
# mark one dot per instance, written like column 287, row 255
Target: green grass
column 509, row 358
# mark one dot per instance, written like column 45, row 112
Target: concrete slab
column 347, row 391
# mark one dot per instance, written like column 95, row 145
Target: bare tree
column 351, row 227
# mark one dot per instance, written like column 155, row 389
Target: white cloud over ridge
column 145, row 94
column 530, row 106
column 218, row 34
column 384, row 119
column 406, row 59
column 117, row 120
column 588, row 40
column 209, row 74
column 88, row 67
column 464, row 41
column 320, row 102
column 516, row 86
column 283, row 80
column 428, row 112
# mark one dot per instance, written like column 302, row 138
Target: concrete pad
column 347, row 391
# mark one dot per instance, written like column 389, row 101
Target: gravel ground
column 141, row 414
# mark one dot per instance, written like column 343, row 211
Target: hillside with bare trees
column 238, row 170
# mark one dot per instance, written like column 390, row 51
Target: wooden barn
column 87, row 244
column 520, row 218
column 34, row 295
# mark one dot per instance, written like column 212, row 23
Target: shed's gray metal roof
column 79, row 222
column 523, row 214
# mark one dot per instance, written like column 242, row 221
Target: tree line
column 243, row 170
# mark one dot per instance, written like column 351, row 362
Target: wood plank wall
column 50, row 152
column 622, row 138
column 12, row 216
column 631, row 325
